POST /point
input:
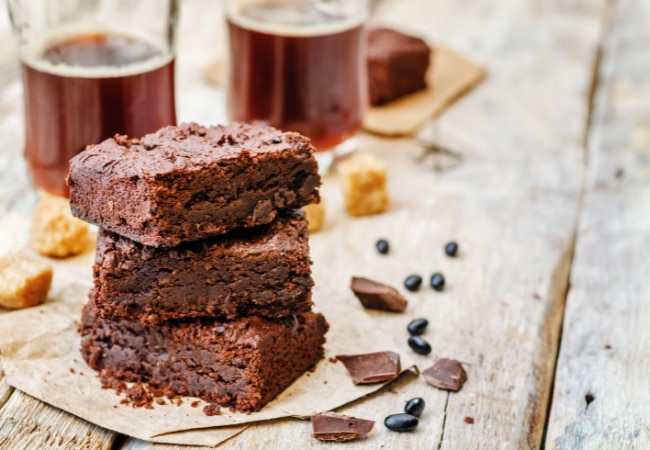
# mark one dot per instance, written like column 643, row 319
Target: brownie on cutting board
column 187, row 183
column 397, row 64
column 261, row 271
column 242, row 363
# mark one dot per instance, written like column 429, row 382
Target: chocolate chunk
column 446, row 374
column 374, row 295
column 372, row 367
column 340, row 428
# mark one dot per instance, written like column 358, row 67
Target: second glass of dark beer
column 299, row 65
column 91, row 70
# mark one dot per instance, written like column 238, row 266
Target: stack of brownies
column 202, row 281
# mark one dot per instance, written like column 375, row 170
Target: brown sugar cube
column 54, row 231
column 315, row 216
column 364, row 184
column 24, row 281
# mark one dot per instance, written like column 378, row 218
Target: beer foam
column 33, row 55
column 288, row 20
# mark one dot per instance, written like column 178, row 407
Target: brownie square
column 256, row 271
column 188, row 182
column 242, row 364
column 397, row 64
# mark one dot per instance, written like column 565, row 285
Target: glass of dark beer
column 299, row 65
column 91, row 69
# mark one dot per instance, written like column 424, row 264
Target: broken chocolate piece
column 372, row 367
column 446, row 374
column 374, row 295
column 339, row 428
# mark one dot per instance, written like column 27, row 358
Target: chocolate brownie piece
column 397, row 64
column 242, row 364
column 188, row 182
column 255, row 271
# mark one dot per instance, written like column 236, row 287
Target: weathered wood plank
column 512, row 203
column 602, row 395
column 26, row 423
column 5, row 388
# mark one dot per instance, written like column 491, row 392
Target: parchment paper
column 449, row 77
column 40, row 354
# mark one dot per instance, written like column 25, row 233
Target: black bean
column 437, row 281
column 415, row 406
column 382, row 246
column 413, row 282
column 451, row 249
column 401, row 422
column 417, row 326
column 419, row 345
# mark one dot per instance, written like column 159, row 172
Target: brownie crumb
column 195, row 403
column 332, row 360
column 72, row 370
column 469, row 420
column 137, row 395
column 212, row 409
column 608, row 347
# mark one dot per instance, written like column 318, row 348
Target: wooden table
column 548, row 304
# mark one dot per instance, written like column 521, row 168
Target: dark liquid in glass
column 311, row 82
column 68, row 107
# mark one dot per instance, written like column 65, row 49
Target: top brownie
column 397, row 64
column 189, row 182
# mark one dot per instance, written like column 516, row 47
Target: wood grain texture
column 5, row 388
column 602, row 394
column 26, row 423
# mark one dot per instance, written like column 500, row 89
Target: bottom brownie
column 242, row 363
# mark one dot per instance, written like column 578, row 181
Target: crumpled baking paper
column 40, row 355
